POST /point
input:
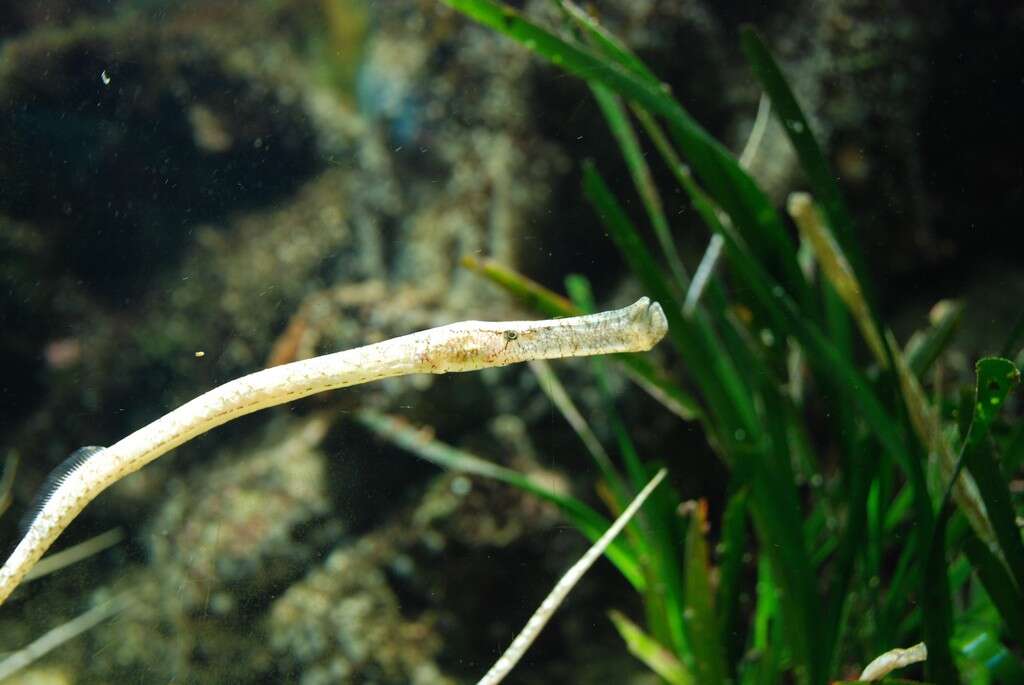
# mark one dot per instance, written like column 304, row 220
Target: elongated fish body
column 465, row 346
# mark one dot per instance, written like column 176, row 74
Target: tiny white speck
column 104, row 77
column 200, row 353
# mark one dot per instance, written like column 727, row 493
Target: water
column 191, row 192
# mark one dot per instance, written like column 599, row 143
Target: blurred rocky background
column 192, row 190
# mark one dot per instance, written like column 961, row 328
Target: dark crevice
column 118, row 154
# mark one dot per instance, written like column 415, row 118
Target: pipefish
column 457, row 347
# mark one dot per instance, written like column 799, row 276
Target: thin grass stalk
column 563, row 587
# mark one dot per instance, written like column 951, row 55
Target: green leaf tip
column 996, row 379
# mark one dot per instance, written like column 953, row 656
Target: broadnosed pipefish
column 465, row 346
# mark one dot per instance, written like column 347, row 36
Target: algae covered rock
column 344, row 623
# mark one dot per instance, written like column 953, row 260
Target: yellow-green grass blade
column 651, row 652
column 928, row 427
column 528, row 292
column 837, row 269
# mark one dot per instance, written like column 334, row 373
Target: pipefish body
column 465, row 346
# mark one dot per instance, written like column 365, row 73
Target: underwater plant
column 862, row 505
column 888, row 521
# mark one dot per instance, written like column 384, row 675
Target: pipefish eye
column 510, row 336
